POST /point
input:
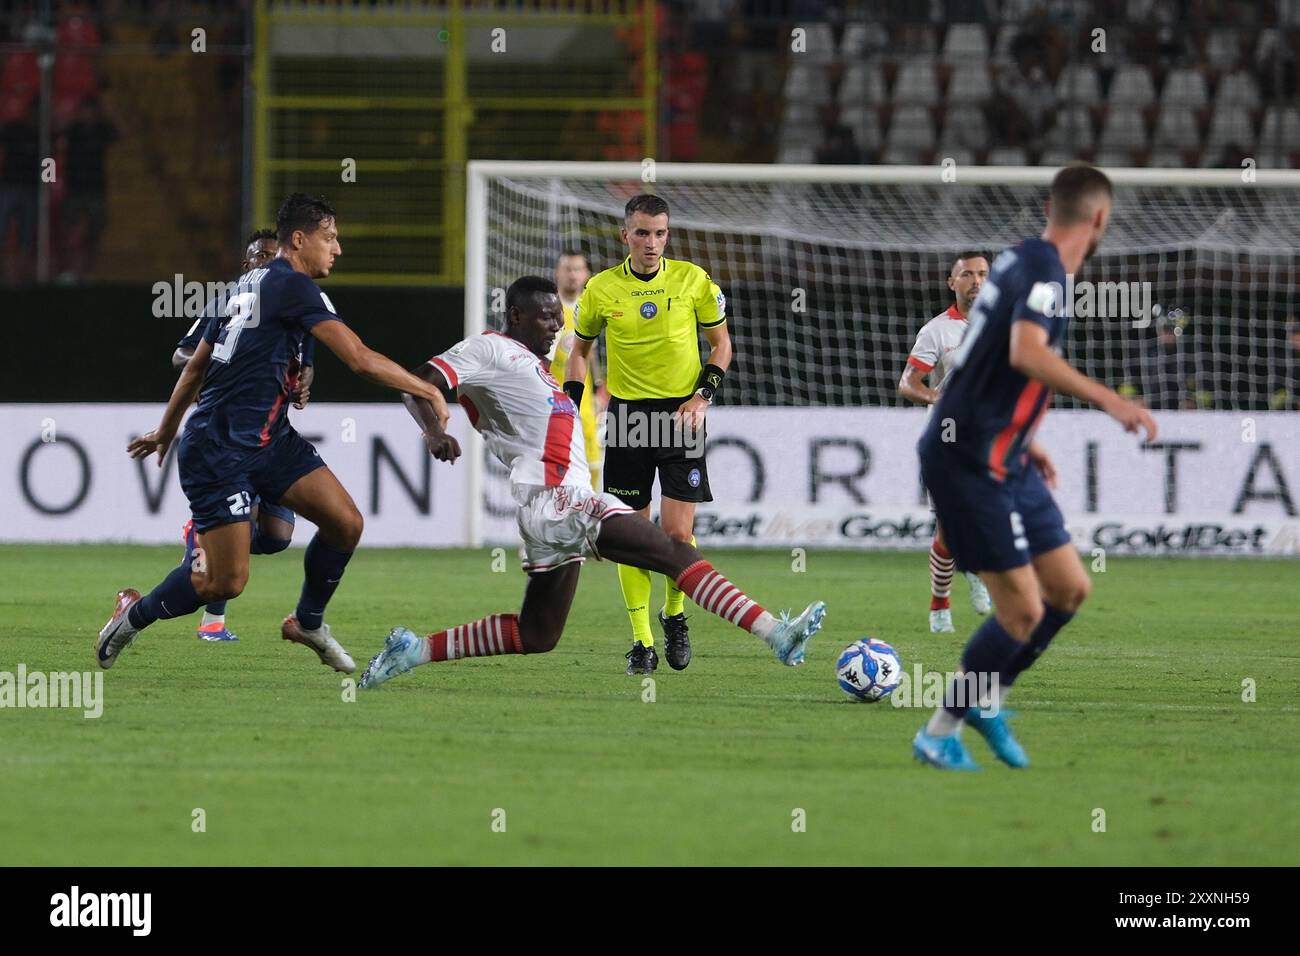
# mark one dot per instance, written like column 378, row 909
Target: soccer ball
column 869, row 670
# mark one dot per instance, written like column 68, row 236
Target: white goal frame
column 479, row 172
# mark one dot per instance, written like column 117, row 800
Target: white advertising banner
column 1222, row 483
column 66, row 475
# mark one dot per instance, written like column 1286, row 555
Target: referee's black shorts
column 640, row 440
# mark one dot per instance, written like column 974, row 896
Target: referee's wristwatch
column 705, row 393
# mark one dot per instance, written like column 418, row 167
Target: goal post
column 829, row 271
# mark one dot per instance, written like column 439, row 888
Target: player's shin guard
column 711, row 591
column 635, row 583
column 323, row 568
column 174, row 597
column 495, row 634
column 941, row 570
column 674, row 597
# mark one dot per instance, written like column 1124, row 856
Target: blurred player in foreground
column 989, row 478
column 529, row 424
column 271, row 524
column 239, row 444
column 937, row 338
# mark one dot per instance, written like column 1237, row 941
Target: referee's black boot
column 641, row 659
column 677, row 640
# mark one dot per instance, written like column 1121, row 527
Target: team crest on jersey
column 547, row 377
column 722, row 303
column 649, row 310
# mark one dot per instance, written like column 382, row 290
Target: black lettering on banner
column 1171, row 450
column 759, row 482
column 422, row 499
column 24, row 476
column 153, row 497
column 1090, row 477
column 817, row 477
column 1281, row 493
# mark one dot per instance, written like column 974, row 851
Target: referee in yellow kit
column 652, row 310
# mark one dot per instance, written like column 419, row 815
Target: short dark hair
column 969, row 254
column 647, row 203
column 565, row 253
column 300, row 211
column 1073, row 191
column 525, row 288
column 258, row 235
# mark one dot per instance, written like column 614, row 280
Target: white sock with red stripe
column 711, row 591
column 495, row 634
column 941, row 568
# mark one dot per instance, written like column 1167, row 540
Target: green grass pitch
column 1136, row 711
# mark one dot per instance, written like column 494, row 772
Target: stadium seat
column 964, row 126
column 1238, row 87
column 1231, row 126
column 1184, row 89
column 1167, row 159
column 970, row 83
column 965, row 41
column 820, row 42
column 1078, row 84
column 863, row 83
column 1058, row 156
column 863, row 39
column 1113, row 158
column 1002, row 48
column 1073, row 129
column 1132, row 86
column 1008, row 156
column 1124, row 129
column 961, row 156
column 807, row 83
column 1176, row 128
column 900, row 157
column 911, row 129
column 1223, row 48
column 1281, row 124
column 864, row 120
column 796, row 151
column 917, row 83
column 21, row 73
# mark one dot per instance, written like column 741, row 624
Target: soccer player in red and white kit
column 937, row 338
column 534, row 429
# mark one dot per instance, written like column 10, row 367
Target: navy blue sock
column 324, row 569
column 216, row 609
column 1053, row 620
column 988, row 652
column 175, row 597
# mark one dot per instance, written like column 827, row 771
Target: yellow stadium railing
column 331, row 85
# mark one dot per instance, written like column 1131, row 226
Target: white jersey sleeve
column 926, row 352
column 468, row 361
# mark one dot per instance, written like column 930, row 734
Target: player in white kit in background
column 534, row 429
column 938, row 337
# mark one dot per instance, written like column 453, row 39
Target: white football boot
column 941, row 622
column 979, row 594
column 330, row 651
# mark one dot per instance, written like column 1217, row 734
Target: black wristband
column 574, row 390
column 711, row 378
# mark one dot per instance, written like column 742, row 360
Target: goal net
column 829, row 272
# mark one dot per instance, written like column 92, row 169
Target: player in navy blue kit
column 238, row 443
column 271, row 525
column 989, row 479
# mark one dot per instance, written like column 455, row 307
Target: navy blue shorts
column 277, row 511
column 221, row 483
column 992, row 525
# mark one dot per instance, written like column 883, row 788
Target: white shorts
column 560, row 525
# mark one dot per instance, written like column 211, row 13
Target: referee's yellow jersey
column 587, row 410
column 651, row 328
